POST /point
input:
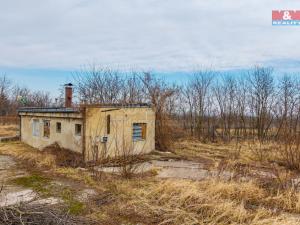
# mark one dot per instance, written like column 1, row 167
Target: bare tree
column 97, row 85
column 23, row 97
column 198, row 95
column 159, row 94
column 225, row 93
column 5, row 86
column 286, row 105
column 261, row 93
column 241, row 98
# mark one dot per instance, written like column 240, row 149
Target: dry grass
column 31, row 156
column 191, row 202
column 50, row 157
column 210, row 153
column 8, row 130
column 76, row 174
column 148, row 200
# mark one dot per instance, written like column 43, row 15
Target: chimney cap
column 68, row 85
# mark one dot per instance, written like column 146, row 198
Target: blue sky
column 42, row 42
column 50, row 80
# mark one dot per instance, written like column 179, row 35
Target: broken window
column 108, row 124
column 139, row 131
column 36, row 128
column 78, row 129
column 58, row 127
column 47, row 128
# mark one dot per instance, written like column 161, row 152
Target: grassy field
column 247, row 152
column 145, row 199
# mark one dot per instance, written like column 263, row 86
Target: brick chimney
column 68, row 95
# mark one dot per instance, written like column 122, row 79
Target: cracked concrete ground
column 12, row 194
column 182, row 169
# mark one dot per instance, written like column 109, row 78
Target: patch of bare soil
column 9, row 168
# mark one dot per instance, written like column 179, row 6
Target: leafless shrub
column 64, row 157
column 5, row 86
column 260, row 149
column 161, row 96
column 289, row 151
column 232, row 170
column 34, row 214
column 283, row 179
column 130, row 161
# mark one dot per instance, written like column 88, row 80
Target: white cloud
column 161, row 35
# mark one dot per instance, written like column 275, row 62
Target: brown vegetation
column 212, row 202
column 51, row 157
column 146, row 200
column 35, row 214
column 9, row 120
column 8, row 130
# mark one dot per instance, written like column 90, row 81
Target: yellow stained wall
column 66, row 139
column 120, row 137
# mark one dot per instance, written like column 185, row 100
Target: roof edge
column 78, row 109
column 117, row 105
column 48, row 110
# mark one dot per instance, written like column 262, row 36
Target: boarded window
column 58, row 127
column 139, row 131
column 46, row 128
column 36, row 128
column 78, row 129
column 108, row 124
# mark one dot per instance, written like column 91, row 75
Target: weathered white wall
column 66, row 139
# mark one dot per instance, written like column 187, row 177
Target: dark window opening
column 58, row 127
column 78, row 129
column 47, row 128
column 139, row 131
column 108, row 124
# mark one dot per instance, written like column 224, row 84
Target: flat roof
column 117, row 105
column 48, row 110
column 77, row 109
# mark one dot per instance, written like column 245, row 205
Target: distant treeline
column 13, row 96
column 210, row 105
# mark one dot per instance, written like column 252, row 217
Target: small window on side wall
column 78, row 129
column 139, row 131
column 36, row 128
column 46, row 128
column 108, row 124
column 58, row 127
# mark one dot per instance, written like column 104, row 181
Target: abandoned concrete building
column 94, row 131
